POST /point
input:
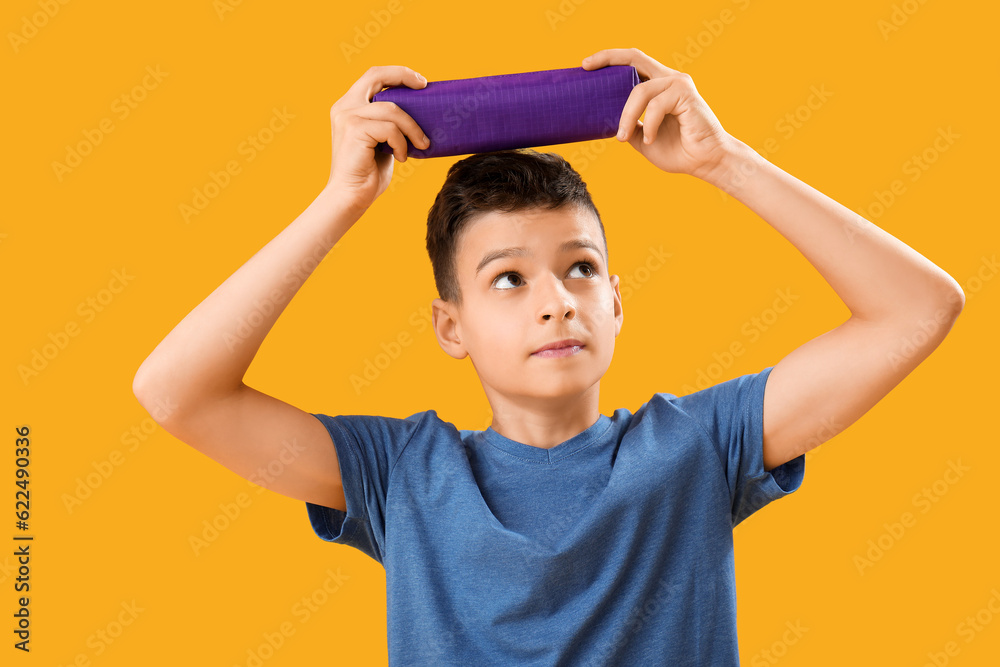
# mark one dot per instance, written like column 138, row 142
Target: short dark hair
column 506, row 181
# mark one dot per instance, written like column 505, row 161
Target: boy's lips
column 561, row 348
column 559, row 351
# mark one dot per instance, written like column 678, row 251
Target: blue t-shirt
column 614, row 547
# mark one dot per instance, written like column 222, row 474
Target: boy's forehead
column 496, row 230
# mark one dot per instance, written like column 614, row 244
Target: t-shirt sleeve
column 732, row 413
column 367, row 447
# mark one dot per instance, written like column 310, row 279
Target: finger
column 644, row 65
column 608, row 57
column 372, row 132
column 379, row 77
column 658, row 108
column 594, row 61
column 634, row 107
column 393, row 112
column 639, row 101
column 388, row 132
column 654, row 117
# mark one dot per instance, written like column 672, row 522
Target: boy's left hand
column 681, row 135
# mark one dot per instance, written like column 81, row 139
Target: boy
column 557, row 536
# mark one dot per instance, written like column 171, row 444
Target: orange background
column 894, row 75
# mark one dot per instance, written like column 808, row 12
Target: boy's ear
column 447, row 328
column 619, row 314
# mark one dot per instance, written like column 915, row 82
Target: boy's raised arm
column 902, row 305
column 192, row 382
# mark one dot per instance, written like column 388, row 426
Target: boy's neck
column 545, row 423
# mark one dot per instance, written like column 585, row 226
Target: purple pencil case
column 507, row 111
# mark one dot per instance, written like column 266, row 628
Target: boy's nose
column 556, row 301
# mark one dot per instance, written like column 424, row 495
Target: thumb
column 636, row 137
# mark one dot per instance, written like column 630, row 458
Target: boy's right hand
column 359, row 173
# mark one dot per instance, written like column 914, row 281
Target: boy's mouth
column 559, row 351
column 562, row 348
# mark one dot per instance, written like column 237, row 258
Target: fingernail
column 420, row 77
column 621, row 134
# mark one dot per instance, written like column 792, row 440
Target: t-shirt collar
column 562, row 450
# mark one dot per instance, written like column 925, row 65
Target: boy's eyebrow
column 572, row 244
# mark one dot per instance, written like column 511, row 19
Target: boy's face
column 544, row 295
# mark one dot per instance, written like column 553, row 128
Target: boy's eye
column 590, row 272
column 497, row 282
